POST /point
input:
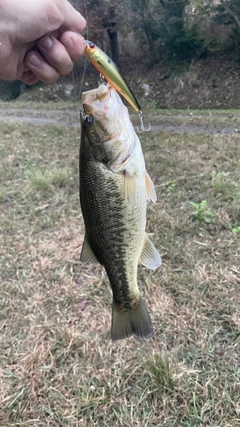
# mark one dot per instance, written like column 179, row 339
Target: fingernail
column 35, row 61
column 46, row 42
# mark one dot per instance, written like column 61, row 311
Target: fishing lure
column 108, row 69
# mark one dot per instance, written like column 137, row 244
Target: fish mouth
column 105, row 108
column 102, row 102
column 96, row 100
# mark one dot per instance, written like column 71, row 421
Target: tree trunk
column 113, row 35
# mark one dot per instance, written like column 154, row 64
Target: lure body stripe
column 110, row 71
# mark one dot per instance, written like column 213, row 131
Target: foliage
column 10, row 90
column 105, row 17
column 201, row 212
column 222, row 18
column 166, row 31
column 227, row 12
column 185, row 44
column 169, row 29
column 234, row 229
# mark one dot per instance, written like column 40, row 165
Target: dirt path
column 71, row 118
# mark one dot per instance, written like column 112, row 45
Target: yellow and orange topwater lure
column 109, row 70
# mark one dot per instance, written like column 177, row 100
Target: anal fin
column 87, row 254
column 150, row 257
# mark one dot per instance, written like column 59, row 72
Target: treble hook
column 142, row 128
column 102, row 80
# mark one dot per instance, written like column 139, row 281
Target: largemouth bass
column 114, row 189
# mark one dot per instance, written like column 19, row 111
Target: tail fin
column 136, row 321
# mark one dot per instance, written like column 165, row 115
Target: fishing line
column 85, row 62
column 77, row 93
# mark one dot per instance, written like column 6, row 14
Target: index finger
column 73, row 20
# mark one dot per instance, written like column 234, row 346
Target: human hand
column 39, row 39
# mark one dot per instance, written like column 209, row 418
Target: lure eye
column 88, row 120
column 92, row 45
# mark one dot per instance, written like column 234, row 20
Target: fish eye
column 88, row 120
column 92, row 45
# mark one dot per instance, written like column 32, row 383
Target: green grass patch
column 42, row 180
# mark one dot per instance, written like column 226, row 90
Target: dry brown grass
column 58, row 366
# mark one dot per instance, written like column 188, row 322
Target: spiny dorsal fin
column 150, row 257
column 151, row 193
column 87, row 254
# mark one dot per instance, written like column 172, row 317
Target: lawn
column 58, row 366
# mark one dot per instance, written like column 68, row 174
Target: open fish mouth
column 99, row 102
column 96, row 101
column 103, row 107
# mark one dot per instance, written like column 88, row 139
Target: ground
column 58, row 366
column 213, row 82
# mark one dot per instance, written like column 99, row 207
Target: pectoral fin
column 87, row 254
column 151, row 193
column 130, row 188
column 150, row 257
